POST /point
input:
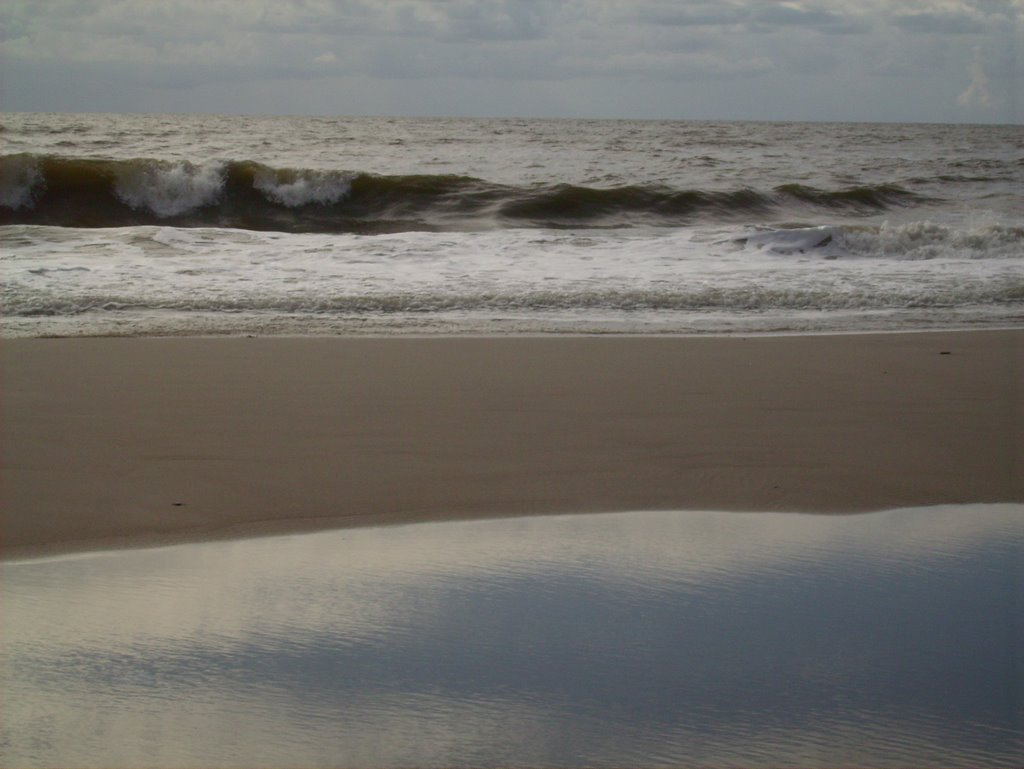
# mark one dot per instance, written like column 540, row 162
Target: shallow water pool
column 645, row 638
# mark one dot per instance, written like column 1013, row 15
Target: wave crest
column 294, row 188
column 80, row 192
column 21, row 182
column 930, row 240
column 749, row 298
column 168, row 189
column 908, row 241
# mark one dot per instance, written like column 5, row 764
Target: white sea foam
column 586, row 280
column 169, row 189
column 302, row 189
column 695, row 241
column 931, row 240
column 905, row 241
column 20, row 181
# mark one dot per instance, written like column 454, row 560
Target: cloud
column 977, row 93
column 694, row 14
column 790, row 15
column 940, row 23
column 680, row 65
column 601, row 57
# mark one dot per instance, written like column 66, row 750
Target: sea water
column 633, row 639
column 159, row 224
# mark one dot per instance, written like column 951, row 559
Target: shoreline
column 131, row 441
column 389, row 333
column 198, row 325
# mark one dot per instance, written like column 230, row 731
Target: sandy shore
column 110, row 442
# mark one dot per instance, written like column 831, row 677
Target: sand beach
column 112, row 442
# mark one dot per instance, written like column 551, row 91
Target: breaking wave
column 907, row 241
column 62, row 191
column 748, row 298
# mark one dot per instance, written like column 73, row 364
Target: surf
column 245, row 194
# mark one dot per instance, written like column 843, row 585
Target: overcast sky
column 865, row 60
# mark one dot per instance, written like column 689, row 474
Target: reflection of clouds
column 241, row 729
column 287, row 727
column 354, row 580
column 421, row 733
column 544, row 640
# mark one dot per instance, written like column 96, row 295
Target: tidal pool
column 643, row 639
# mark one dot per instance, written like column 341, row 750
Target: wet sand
column 130, row 441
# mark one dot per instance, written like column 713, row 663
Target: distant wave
column 62, row 191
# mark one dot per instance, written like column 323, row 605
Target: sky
column 840, row 60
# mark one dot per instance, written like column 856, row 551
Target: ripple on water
column 635, row 638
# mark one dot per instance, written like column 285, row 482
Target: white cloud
column 977, row 93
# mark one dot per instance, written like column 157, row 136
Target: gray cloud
column 509, row 20
column 939, row 23
column 788, row 15
column 694, row 14
column 687, row 58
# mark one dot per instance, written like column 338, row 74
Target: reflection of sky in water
column 641, row 638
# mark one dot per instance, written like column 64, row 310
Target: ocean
column 203, row 224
